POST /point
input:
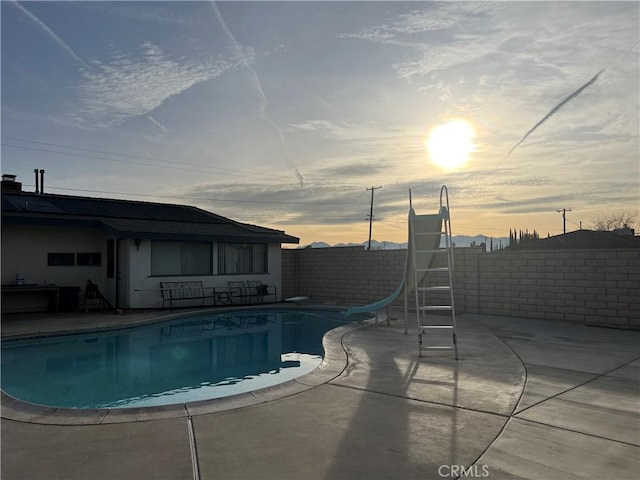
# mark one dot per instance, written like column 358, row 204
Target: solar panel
column 31, row 204
column 109, row 208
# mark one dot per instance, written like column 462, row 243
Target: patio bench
column 246, row 290
column 175, row 291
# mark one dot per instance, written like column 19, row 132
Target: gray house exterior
column 128, row 247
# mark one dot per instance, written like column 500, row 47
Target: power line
column 199, row 167
column 187, row 197
column 147, row 158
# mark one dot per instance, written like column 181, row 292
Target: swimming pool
column 196, row 357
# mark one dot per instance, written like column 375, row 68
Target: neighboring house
column 580, row 239
column 128, row 247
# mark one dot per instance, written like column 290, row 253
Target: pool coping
column 334, row 362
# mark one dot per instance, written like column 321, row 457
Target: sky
column 286, row 114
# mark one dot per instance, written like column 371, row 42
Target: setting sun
column 450, row 144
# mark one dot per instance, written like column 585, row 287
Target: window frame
column 88, row 255
column 70, row 259
column 180, row 253
column 244, row 256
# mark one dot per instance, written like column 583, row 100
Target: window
column 242, row 258
column 61, row 259
column 93, row 259
column 180, row 258
column 89, row 259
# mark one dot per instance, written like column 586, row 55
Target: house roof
column 132, row 219
column 584, row 239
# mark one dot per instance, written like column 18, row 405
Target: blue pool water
column 192, row 358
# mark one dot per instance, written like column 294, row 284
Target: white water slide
column 424, row 241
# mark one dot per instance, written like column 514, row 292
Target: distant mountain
column 316, row 245
column 458, row 241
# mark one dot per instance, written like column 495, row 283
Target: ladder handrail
column 446, row 217
column 422, row 307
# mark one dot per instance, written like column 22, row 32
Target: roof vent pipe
column 41, row 181
column 35, row 170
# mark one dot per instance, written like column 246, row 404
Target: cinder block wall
column 347, row 275
column 600, row 287
column 595, row 287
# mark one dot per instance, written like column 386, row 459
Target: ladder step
column 429, row 233
column 435, row 288
column 435, row 307
column 436, row 348
column 449, row 327
column 431, row 250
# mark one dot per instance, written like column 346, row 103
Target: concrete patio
column 528, row 399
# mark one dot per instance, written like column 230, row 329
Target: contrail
column 258, row 86
column 157, row 124
column 55, row 37
column 553, row 111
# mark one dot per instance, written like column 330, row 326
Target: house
column 586, row 239
column 128, row 247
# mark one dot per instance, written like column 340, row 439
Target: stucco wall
column 598, row 287
column 25, row 249
column 143, row 290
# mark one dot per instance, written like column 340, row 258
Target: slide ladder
column 434, row 280
column 425, row 235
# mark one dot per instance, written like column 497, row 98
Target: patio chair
column 92, row 293
column 255, row 289
column 237, row 290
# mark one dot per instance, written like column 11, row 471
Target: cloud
column 504, row 41
column 443, row 16
column 134, row 84
column 360, row 169
column 436, row 19
column 594, row 196
column 312, row 125
column 148, row 12
column 371, row 132
column 322, row 203
column 438, row 36
column 329, row 201
column 282, row 203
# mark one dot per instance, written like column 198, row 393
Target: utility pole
column 564, row 218
column 373, row 189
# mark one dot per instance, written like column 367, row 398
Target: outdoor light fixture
column 137, row 243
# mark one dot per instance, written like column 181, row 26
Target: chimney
column 9, row 183
column 35, row 170
column 42, row 181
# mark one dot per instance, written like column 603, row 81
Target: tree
column 611, row 221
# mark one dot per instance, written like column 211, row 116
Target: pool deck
column 528, row 399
